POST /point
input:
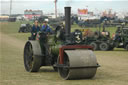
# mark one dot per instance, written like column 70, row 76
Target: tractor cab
column 125, row 30
column 125, row 36
column 121, row 38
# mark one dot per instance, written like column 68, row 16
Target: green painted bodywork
column 53, row 43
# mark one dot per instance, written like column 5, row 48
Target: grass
column 11, row 29
column 113, row 70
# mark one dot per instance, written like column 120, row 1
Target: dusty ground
column 11, row 41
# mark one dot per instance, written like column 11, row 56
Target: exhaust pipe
column 67, row 21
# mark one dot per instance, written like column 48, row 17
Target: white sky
column 18, row 6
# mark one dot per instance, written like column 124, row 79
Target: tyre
column 32, row 62
column 127, row 47
column 55, row 69
column 19, row 30
column 104, row 46
column 25, row 30
column 94, row 45
column 111, row 48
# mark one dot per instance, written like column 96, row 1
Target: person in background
column 46, row 28
column 35, row 29
column 118, row 34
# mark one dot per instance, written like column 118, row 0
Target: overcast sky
column 18, row 6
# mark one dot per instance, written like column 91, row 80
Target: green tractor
column 100, row 40
column 121, row 38
column 63, row 51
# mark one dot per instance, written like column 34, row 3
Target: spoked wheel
column 111, row 48
column 104, row 46
column 32, row 63
column 94, row 45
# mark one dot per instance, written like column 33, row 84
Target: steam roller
column 63, row 50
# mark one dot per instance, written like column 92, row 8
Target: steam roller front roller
column 78, row 64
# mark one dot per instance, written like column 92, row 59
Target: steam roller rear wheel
column 32, row 62
column 79, row 64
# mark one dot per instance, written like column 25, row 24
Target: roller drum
column 82, row 64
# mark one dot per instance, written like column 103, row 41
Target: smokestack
column 67, row 21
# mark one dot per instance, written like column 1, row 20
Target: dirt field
column 113, row 70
